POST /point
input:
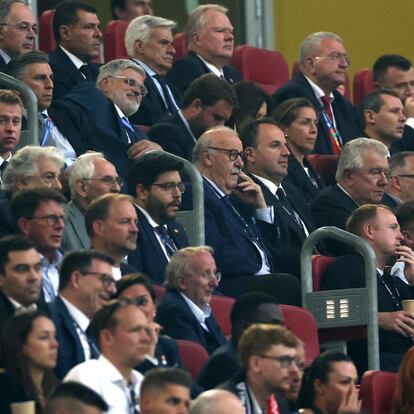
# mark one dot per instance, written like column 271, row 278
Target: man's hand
column 153, row 333
column 141, row 147
column 400, row 321
column 406, row 255
column 250, row 192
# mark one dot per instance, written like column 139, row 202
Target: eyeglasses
column 106, row 279
column 211, row 276
column 284, row 361
column 170, row 186
column 133, row 84
column 49, row 177
column 335, row 56
column 232, row 153
column 50, row 220
column 108, row 180
column 405, row 175
column 24, row 27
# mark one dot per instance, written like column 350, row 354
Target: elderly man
column 400, row 186
column 323, row 64
column 95, row 117
column 378, row 226
column 381, row 117
column 18, row 30
column 217, row 402
column 90, row 176
column 112, row 225
column 124, row 337
column 77, row 34
column 184, row 311
column 210, row 41
column 129, row 9
column 149, row 42
column 85, row 285
column 362, row 178
column 207, row 103
column 244, row 253
column 156, row 185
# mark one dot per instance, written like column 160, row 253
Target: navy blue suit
column 70, row 351
column 173, row 136
column 179, row 322
column 65, row 74
column 149, row 256
column 344, row 112
column 2, row 64
column 6, row 221
column 89, row 120
column 6, row 310
column 191, row 67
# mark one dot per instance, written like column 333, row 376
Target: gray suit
column 74, row 236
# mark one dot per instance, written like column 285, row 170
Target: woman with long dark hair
column 404, row 389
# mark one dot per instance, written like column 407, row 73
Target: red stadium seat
column 363, row 84
column 46, row 39
column 180, row 46
column 325, row 164
column 377, row 391
column 302, row 323
column 114, row 46
column 193, row 356
column 221, row 307
column 319, row 267
column 267, row 68
column 159, row 291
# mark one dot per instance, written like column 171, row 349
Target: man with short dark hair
column 20, row 276
column 207, row 103
column 155, row 183
column 77, row 34
column 85, row 285
column 129, row 9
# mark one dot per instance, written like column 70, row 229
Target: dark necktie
column 132, row 399
column 2, row 168
column 285, row 203
column 84, row 69
column 172, row 109
column 166, row 239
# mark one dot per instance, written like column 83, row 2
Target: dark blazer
column 152, row 108
column 190, row 67
column 390, row 201
column 406, row 143
column 70, row 352
column 149, row 256
column 2, row 64
column 298, row 177
column 89, row 120
column 6, row 310
column 173, row 136
column 343, row 110
column 179, row 322
column 6, row 220
column 65, row 74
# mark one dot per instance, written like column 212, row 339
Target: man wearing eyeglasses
column 85, row 285
column 268, row 357
column 155, row 183
column 18, row 30
column 401, row 183
column 323, row 65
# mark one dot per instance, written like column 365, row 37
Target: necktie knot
column 84, row 69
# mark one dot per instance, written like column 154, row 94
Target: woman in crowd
column 298, row 120
column 329, row 386
column 404, row 389
column 28, row 356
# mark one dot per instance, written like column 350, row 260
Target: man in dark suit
column 149, row 42
column 401, row 186
column 86, row 284
column 95, row 117
column 208, row 102
column 20, row 276
column 77, row 34
column 155, row 184
column 323, row 63
column 362, row 178
column 185, row 312
column 18, row 31
column 210, row 41
column 379, row 227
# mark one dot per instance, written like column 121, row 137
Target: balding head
column 217, row 402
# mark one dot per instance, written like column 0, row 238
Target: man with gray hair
column 323, row 65
column 401, row 184
column 90, row 176
column 149, row 42
column 95, row 117
column 217, row 402
column 18, row 30
column 362, row 178
column 210, row 41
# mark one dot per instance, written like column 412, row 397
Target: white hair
column 313, row 41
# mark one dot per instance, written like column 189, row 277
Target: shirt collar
column 113, row 375
column 218, row 72
column 75, row 60
column 186, row 123
column 269, row 184
column 19, row 307
column 5, row 159
column 346, row 192
column 54, row 262
column 78, row 316
column 215, row 187
column 5, row 56
column 148, row 217
column 144, row 66
column 200, row 314
column 119, row 112
column 318, row 91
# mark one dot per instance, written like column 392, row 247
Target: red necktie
column 332, row 133
column 272, row 407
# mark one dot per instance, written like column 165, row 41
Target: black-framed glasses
column 285, row 361
column 405, row 175
column 50, row 220
column 232, row 153
column 335, row 56
column 24, row 27
column 133, row 84
column 170, row 186
column 210, row 276
column 108, row 180
column 106, row 279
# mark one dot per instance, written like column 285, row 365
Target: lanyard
column 395, row 300
column 332, row 131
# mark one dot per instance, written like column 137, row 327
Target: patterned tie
column 272, row 406
column 132, row 399
column 167, row 241
column 172, row 109
column 333, row 134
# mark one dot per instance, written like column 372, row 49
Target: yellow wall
column 369, row 28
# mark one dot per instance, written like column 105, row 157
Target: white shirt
column 200, row 314
column 74, row 59
column 122, row 116
column 218, row 72
column 398, row 271
column 187, row 125
column 103, row 377
column 5, row 56
column 50, row 271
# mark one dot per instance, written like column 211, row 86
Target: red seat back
column 267, row 68
column 193, row 356
column 221, row 307
column 180, row 46
column 363, row 84
column 114, row 44
column 377, row 391
column 325, row 164
column 159, row 291
column 319, row 266
column 47, row 41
